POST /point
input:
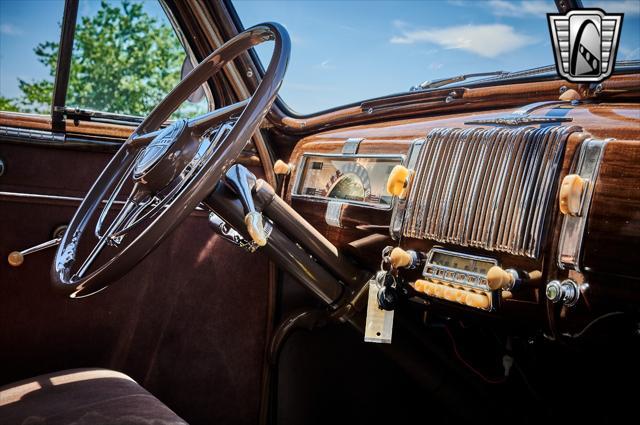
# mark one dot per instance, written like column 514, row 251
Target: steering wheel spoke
column 200, row 124
column 138, row 141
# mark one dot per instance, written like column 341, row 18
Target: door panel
column 188, row 323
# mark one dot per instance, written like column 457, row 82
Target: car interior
column 462, row 252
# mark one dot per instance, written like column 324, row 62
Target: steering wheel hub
column 167, row 153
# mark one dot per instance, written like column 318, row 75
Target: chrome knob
column 566, row 292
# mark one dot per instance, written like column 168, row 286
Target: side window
column 126, row 57
column 26, row 69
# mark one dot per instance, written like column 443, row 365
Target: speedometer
column 353, row 179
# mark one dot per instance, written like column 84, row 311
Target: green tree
column 7, row 104
column 124, row 61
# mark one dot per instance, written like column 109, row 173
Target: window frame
column 59, row 110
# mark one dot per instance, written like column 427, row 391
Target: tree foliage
column 124, row 61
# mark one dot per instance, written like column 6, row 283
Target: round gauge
column 350, row 183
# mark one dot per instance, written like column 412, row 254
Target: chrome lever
column 242, row 182
column 16, row 258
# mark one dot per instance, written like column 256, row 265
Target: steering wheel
column 168, row 172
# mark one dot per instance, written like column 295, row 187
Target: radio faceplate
column 456, row 268
column 458, row 277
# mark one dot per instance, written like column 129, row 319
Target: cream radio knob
column 477, row 300
column 498, row 278
column 571, row 194
column 400, row 258
column 398, row 180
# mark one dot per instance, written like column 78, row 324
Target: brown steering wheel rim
column 204, row 180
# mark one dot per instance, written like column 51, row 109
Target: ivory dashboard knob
column 498, row 278
column 571, row 194
column 430, row 288
column 282, row 168
column 477, row 300
column 400, row 258
column 397, row 181
column 15, row 259
column 450, row 294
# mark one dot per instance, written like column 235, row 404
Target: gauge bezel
column 300, row 170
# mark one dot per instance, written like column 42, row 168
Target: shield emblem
column 585, row 43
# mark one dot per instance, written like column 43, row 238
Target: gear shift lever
column 242, row 182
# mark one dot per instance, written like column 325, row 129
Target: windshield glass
column 347, row 51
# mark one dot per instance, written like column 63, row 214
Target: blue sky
column 345, row 51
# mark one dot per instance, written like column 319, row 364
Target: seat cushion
column 82, row 397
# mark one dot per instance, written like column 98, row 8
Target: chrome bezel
column 460, row 283
column 587, row 165
column 300, row 169
column 479, row 276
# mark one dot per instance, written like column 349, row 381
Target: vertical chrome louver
column 485, row 188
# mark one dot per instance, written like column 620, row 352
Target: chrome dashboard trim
column 333, row 214
column 586, row 164
column 300, row 170
column 486, row 188
column 351, row 145
column 395, row 227
column 523, row 116
column 516, row 120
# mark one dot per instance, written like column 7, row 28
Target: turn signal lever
column 16, row 258
column 242, row 182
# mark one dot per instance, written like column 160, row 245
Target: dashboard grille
column 485, row 188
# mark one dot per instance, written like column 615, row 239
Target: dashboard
column 480, row 217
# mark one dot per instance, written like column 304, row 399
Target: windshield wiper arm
column 434, row 84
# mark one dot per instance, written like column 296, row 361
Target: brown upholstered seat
column 82, row 397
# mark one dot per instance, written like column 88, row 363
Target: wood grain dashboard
column 611, row 241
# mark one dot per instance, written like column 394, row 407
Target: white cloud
column 9, row 29
column 325, row 64
column 628, row 7
column 435, row 65
column 523, row 8
column 484, row 40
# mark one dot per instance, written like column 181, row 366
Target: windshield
column 348, row 51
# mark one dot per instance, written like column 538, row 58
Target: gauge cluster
column 358, row 179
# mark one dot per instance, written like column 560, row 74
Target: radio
column 471, row 280
column 458, row 277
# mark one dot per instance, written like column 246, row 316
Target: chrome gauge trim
column 333, row 214
column 587, row 166
column 344, row 157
